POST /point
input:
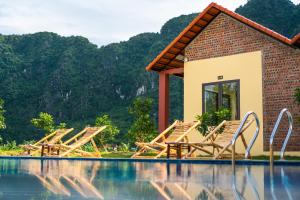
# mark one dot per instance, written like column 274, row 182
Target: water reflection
column 63, row 177
column 53, row 179
column 283, row 183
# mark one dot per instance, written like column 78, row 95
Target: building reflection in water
column 144, row 180
column 177, row 181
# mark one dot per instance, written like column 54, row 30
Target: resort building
column 227, row 60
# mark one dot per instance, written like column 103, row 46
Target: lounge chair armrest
column 164, row 132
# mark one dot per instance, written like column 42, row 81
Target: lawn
column 14, row 152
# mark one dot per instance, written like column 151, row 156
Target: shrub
column 108, row 135
column 143, row 128
column 88, row 147
column 124, row 147
column 212, row 119
column 44, row 122
column 9, row 145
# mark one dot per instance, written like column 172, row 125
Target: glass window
column 222, row 95
column 211, row 98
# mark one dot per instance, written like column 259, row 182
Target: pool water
column 74, row 179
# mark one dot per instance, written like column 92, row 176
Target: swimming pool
column 107, row 179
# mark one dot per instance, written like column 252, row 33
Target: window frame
column 220, row 94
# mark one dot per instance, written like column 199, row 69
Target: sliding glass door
column 224, row 94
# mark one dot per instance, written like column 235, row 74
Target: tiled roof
column 171, row 56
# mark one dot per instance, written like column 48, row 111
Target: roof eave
column 294, row 42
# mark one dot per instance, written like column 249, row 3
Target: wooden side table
column 50, row 148
column 178, row 147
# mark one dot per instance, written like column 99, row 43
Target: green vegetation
column 297, row 95
column 212, row 119
column 46, row 123
column 109, row 134
column 9, row 148
column 143, row 128
column 279, row 15
column 117, row 154
column 74, row 81
column 2, row 118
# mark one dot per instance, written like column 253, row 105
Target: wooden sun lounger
column 218, row 141
column 177, row 132
column 53, row 138
column 75, row 143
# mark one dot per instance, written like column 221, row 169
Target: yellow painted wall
column 246, row 67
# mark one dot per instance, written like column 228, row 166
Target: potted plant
column 211, row 119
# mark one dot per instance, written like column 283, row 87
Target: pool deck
column 173, row 161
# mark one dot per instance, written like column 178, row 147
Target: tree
column 143, row 128
column 2, row 118
column 279, row 15
column 44, row 122
column 109, row 133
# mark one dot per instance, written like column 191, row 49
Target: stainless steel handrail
column 290, row 130
column 238, row 132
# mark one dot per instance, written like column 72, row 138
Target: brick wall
column 281, row 68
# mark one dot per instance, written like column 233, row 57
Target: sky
column 101, row 21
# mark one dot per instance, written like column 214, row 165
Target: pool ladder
column 279, row 119
column 238, row 133
column 290, row 130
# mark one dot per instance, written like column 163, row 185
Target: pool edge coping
column 174, row 161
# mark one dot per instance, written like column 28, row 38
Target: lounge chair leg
column 42, row 151
column 49, row 150
column 178, row 151
column 95, row 147
column 168, row 151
